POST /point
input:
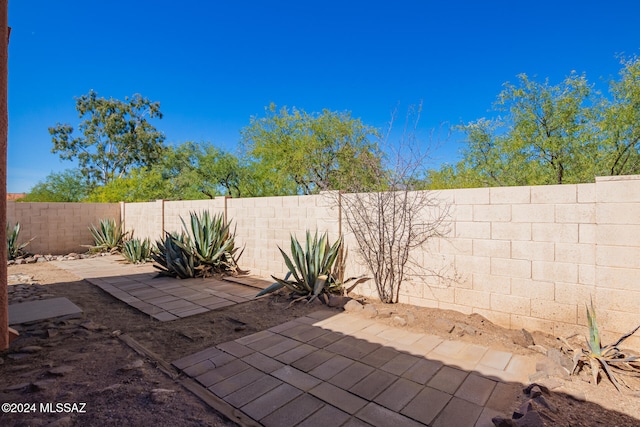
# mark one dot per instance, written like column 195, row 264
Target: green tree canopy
column 67, row 186
column 302, row 153
column 114, row 136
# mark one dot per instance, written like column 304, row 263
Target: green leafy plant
column 108, row 237
column 317, row 271
column 205, row 247
column 137, row 251
column 175, row 257
column 613, row 361
column 212, row 243
column 15, row 249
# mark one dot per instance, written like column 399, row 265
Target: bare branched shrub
column 398, row 218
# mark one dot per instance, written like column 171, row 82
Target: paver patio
column 164, row 298
column 339, row 369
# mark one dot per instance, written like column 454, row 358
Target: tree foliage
column 114, row 136
column 552, row 134
column 66, row 186
column 302, row 153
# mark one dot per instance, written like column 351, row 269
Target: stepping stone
column 39, row 310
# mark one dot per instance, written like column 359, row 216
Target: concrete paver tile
column 520, row 367
column 503, row 397
column 408, row 338
column 486, row 416
column 304, row 332
column 331, row 367
column 222, row 373
column 209, row 300
column 399, row 364
column 293, row 412
column 173, row 305
column 448, row 348
column 352, row 348
column 262, row 362
column 285, row 345
column 339, row 398
column 199, row 368
column 398, row 394
column 163, row 298
column 426, row 405
column 325, row 339
column 422, row 371
column 283, row 326
column 476, row 389
column 235, row 349
column 312, row 360
column 473, row 353
column 459, row 413
column 424, row 345
column 236, row 382
column 373, row 384
column 496, row 359
column 356, row 422
column 392, row 333
column 295, row 353
column 252, row 391
column 379, row 416
column 186, row 312
column 221, row 359
column 448, row 379
column 350, row 377
column 254, row 337
column 321, row 315
column 326, row 416
column 266, row 342
column 270, row 401
column 380, row 356
column 223, row 303
column 194, row 358
column 164, row 316
column 296, row 378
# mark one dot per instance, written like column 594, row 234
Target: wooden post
column 4, row 129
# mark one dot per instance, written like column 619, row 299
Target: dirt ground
column 84, row 359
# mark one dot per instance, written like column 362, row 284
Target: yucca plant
column 108, row 237
column 175, row 256
column 613, row 361
column 15, row 249
column 213, row 243
column 137, row 251
column 314, row 270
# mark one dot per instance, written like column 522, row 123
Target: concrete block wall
column 59, row 228
column 266, row 223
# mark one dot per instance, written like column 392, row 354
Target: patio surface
column 342, row 370
column 164, row 298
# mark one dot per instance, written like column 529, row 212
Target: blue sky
column 214, row 64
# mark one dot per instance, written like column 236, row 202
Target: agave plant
column 175, row 256
column 317, row 270
column 14, row 249
column 137, row 251
column 213, row 243
column 207, row 246
column 109, row 237
column 610, row 358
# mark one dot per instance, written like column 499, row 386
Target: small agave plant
column 108, row 237
column 315, row 271
column 613, row 361
column 15, row 249
column 175, row 257
column 137, row 251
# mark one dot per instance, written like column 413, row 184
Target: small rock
column 41, row 259
column 369, row 311
column 523, row 338
column 111, row 388
column 338, row 301
column 552, row 383
column 536, row 389
column 18, row 356
column 399, row 321
column 541, row 401
column 411, row 318
column 136, row 364
column 41, row 385
column 560, row 358
column 116, row 333
column 31, row 349
column 92, row 326
column 461, row 329
column 503, row 422
column 353, row 306
column 161, row 395
column 52, row 333
column 61, row 370
column 531, row 419
column 19, row 386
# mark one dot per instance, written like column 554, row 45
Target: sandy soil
column 84, row 360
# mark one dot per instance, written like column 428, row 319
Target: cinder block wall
column 59, row 228
column 524, row 257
